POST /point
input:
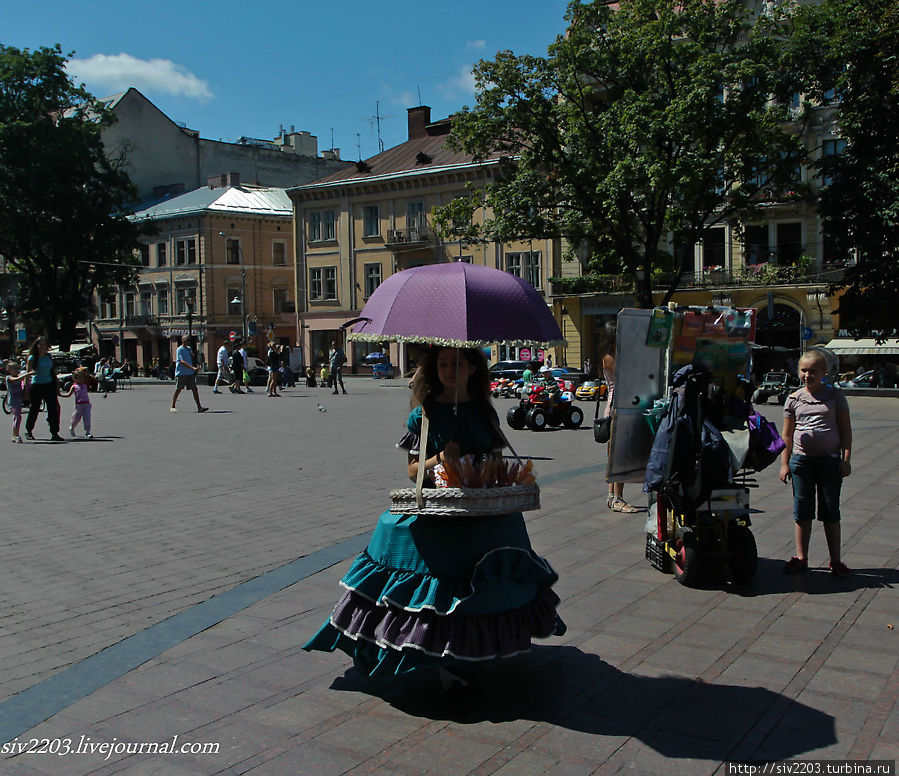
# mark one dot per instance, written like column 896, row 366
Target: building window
column 129, row 304
column 232, row 250
column 372, row 278
column 756, row 244
column 281, row 301
column 315, row 226
column 789, row 243
column 525, row 264
column 233, row 307
column 160, row 254
column 713, row 249
column 330, row 230
column 415, row 214
column 371, row 221
column 323, row 283
column 830, row 149
column 279, row 252
column 684, row 256
column 108, row 306
column 146, row 303
column 145, row 255
column 186, row 251
column 182, row 295
column 330, row 282
column 315, row 283
column 162, row 301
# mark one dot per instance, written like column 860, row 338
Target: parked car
column 777, row 384
column 512, row 370
column 258, row 374
column 569, row 374
column 869, row 379
column 592, row 390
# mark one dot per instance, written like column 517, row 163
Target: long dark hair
column 426, row 386
column 33, row 352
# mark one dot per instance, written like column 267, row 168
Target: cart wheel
column 6, row 409
column 574, row 417
column 743, row 556
column 536, row 419
column 515, row 417
column 686, row 563
column 759, row 398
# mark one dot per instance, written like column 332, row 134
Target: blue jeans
column 816, row 476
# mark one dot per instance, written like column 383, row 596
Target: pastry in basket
column 438, row 592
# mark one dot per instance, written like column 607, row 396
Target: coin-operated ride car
column 537, row 409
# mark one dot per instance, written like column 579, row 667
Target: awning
column 863, row 347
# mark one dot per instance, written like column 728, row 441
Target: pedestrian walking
column 274, row 365
column 337, row 359
column 818, row 436
column 82, row 413
column 44, row 388
column 246, row 368
column 186, row 375
column 236, row 370
column 15, row 380
column 221, row 376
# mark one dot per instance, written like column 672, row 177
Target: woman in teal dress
column 435, row 590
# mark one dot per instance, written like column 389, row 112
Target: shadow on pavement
column 770, row 580
column 568, row 688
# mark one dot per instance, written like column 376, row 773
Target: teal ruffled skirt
column 430, row 590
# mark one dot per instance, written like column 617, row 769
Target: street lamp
column 243, row 286
column 189, row 302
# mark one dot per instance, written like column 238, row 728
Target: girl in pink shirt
column 82, row 403
column 818, row 437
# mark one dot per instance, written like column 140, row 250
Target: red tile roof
column 416, row 154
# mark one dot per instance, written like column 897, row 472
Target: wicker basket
column 459, row 502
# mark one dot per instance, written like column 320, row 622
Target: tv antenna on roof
column 376, row 120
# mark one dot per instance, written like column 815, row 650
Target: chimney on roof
column 419, row 118
column 223, row 180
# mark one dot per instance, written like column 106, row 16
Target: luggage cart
column 695, row 530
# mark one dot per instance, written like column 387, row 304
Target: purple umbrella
column 457, row 305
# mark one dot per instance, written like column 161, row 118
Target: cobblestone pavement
column 158, row 581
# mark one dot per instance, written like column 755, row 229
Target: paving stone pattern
column 105, row 539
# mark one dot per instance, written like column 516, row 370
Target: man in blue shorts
column 185, row 375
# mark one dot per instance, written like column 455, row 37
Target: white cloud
column 462, row 84
column 476, row 44
column 117, row 72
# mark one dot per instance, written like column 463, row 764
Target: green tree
column 642, row 122
column 64, row 225
column 848, row 55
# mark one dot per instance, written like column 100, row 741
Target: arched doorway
column 777, row 339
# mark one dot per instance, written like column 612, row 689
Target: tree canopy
column 64, row 225
column 847, row 54
column 648, row 120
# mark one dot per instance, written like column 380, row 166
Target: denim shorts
column 816, row 476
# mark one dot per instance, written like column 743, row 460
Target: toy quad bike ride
column 538, row 409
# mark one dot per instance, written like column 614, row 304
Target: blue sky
column 232, row 69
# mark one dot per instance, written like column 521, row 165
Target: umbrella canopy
column 457, row 305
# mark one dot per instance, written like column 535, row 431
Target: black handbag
column 602, row 427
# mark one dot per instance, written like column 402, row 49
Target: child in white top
column 14, row 393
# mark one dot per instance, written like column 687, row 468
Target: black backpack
column 689, row 456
